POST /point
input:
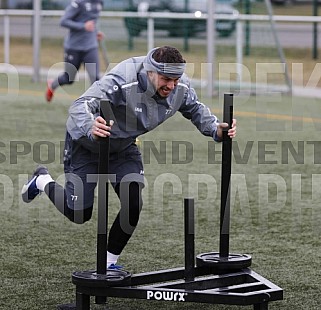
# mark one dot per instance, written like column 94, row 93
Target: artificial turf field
column 275, row 200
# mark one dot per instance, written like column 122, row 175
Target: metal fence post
column 211, row 60
column 239, row 51
column 150, row 33
column 315, row 30
column 36, row 40
column 6, row 36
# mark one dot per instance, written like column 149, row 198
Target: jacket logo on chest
column 139, row 110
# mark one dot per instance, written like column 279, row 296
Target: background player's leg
column 91, row 61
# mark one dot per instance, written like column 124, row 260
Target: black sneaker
column 29, row 190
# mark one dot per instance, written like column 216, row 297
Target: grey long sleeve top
column 76, row 15
column 135, row 106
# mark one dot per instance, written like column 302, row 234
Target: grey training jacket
column 77, row 13
column 136, row 107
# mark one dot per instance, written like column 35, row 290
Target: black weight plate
column 111, row 278
column 232, row 262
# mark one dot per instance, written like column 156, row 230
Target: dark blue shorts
column 74, row 59
column 81, row 169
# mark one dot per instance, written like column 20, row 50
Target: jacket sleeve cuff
column 216, row 137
